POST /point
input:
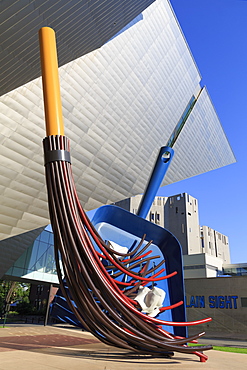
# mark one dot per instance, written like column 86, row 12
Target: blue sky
column 216, row 31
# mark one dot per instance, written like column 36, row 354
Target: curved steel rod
column 94, row 297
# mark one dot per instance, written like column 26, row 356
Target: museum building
column 214, row 287
column 128, row 83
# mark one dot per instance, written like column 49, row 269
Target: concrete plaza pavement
column 64, row 347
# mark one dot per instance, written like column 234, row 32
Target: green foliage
column 224, row 349
column 21, row 291
column 231, row 349
column 24, row 307
column 13, row 292
column 3, row 292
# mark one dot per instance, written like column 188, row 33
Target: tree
column 11, row 292
column 24, row 307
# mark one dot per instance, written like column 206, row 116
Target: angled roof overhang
column 81, row 26
column 121, row 103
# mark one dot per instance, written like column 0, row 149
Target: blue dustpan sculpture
column 117, row 225
column 124, row 228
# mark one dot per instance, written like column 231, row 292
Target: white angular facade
column 121, row 103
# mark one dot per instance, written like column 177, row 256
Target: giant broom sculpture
column 96, row 297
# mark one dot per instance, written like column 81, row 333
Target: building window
column 176, row 209
column 209, row 245
column 202, row 242
column 178, row 197
column 40, row 289
column 194, row 267
column 151, row 216
column 37, row 304
column 158, row 217
column 243, row 301
column 189, row 213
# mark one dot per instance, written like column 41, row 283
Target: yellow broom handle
column 50, row 79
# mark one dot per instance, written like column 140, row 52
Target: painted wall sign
column 213, row 301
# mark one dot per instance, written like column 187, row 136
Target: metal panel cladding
column 121, row 103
